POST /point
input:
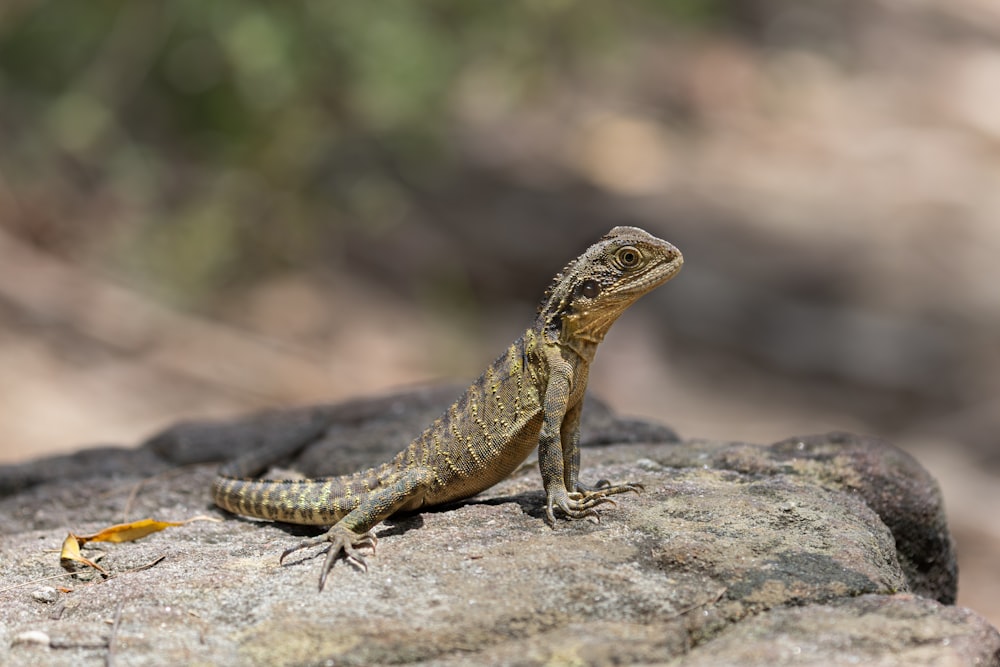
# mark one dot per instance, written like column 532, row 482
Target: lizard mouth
column 659, row 273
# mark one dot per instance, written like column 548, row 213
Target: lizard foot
column 573, row 505
column 341, row 540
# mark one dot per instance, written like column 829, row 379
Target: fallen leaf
column 71, row 554
column 129, row 532
column 122, row 532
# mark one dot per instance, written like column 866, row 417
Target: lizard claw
column 605, row 488
column 342, row 540
column 573, row 506
column 580, row 503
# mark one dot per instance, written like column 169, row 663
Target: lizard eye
column 590, row 288
column 628, row 257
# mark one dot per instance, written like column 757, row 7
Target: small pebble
column 648, row 464
column 45, row 594
column 31, row 637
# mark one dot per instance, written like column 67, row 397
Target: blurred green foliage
column 199, row 144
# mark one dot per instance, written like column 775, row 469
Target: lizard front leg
column 570, row 438
column 559, row 467
column 354, row 530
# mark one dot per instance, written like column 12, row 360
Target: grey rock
column 890, row 481
column 822, row 550
column 45, row 594
column 30, row 637
column 869, row 630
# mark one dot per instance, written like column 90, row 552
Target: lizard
column 530, row 396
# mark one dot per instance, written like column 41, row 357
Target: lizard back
column 479, row 440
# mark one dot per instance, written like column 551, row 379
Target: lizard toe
column 604, row 488
column 305, row 544
column 574, row 505
column 574, row 513
column 341, row 541
column 585, row 501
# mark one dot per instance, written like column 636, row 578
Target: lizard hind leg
column 342, row 540
column 396, row 491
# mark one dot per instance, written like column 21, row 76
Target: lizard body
column 530, row 396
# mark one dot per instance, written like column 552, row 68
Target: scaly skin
column 530, row 396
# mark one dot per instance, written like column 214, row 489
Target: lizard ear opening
column 589, row 288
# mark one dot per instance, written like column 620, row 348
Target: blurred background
column 211, row 208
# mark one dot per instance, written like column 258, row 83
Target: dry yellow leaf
column 122, row 532
column 70, row 553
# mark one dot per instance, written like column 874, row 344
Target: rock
column 820, row 550
column 30, row 637
column 882, row 630
column 891, row 482
column 45, row 594
column 105, row 461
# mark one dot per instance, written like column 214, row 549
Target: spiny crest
column 561, row 278
column 554, row 286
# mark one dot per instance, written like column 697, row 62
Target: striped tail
column 313, row 502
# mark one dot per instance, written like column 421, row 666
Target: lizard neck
column 577, row 349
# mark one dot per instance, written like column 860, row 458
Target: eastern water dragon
column 530, row 396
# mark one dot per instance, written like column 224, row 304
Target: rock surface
column 824, row 550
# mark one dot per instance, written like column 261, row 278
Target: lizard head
column 589, row 294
